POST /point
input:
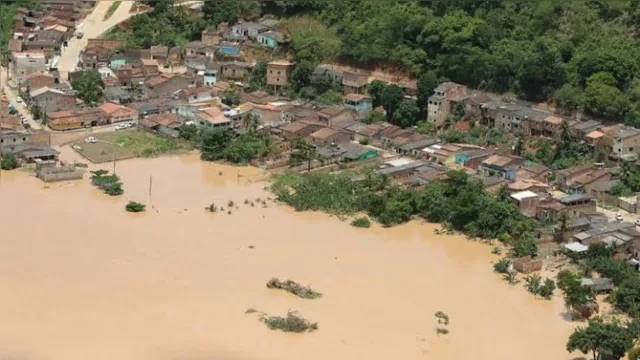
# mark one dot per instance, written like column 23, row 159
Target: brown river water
column 82, row 279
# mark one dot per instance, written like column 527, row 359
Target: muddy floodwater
column 82, row 279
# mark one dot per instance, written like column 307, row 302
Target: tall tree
column 604, row 340
column 406, row 114
column 375, row 89
column 391, row 97
column 301, row 75
column 214, row 143
column 88, row 86
column 302, row 152
column 427, row 82
column 258, row 77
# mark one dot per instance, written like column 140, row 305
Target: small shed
column 527, row 265
column 576, row 247
column 598, row 285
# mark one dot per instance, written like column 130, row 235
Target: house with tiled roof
column 119, row 113
column 211, row 117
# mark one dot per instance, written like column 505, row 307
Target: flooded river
column 82, row 279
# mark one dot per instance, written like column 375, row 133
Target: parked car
column 122, row 126
column 619, row 217
column 90, row 140
column 79, row 34
column 638, row 222
column 19, row 100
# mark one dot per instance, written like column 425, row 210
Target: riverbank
column 94, row 281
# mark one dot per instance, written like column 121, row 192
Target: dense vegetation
column 580, row 53
column 566, row 152
column 109, row 184
column 88, row 87
column 222, row 144
column 8, row 162
column 166, row 25
column 458, row 202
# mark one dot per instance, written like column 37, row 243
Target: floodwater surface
column 82, row 279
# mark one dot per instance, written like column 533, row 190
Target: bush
column 134, row 206
column 524, row 246
column 502, row 266
column 109, row 184
column 211, row 208
column 9, row 162
column 113, row 189
column 304, row 292
column 290, row 323
column 361, row 222
column 547, row 289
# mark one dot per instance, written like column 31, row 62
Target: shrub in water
column 361, row 222
column 134, row 206
column 502, row 266
column 289, row 323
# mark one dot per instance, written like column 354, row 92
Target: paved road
column 13, row 95
column 92, row 27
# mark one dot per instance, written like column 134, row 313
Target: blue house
column 272, row 39
column 362, row 104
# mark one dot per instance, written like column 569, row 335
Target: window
column 630, row 149
column 270, row 72
column 278, row 72
column 24, row 139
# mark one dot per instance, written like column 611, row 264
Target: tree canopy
column 580, row 53
column 88, row 87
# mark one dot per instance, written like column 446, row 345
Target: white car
column 90, row 140
column 19, row 100
column 619, row 217
column 121, row 126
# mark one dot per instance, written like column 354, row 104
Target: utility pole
column 150, row 188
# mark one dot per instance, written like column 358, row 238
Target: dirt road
column 93, row 26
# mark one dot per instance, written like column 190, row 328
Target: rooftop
column 575, row 197
column 280, row 63
column 213, row 115
column 356, row 97
column 524, row 195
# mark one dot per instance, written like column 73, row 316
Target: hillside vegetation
column 580, row 53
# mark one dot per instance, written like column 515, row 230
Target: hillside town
column 161, row 89
column 577, row 199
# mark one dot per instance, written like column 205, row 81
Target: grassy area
column 112, row 9
column 128, row 144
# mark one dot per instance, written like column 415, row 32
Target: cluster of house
column 46, row 31
column 620, row 142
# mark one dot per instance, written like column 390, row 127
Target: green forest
column 582, row 54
